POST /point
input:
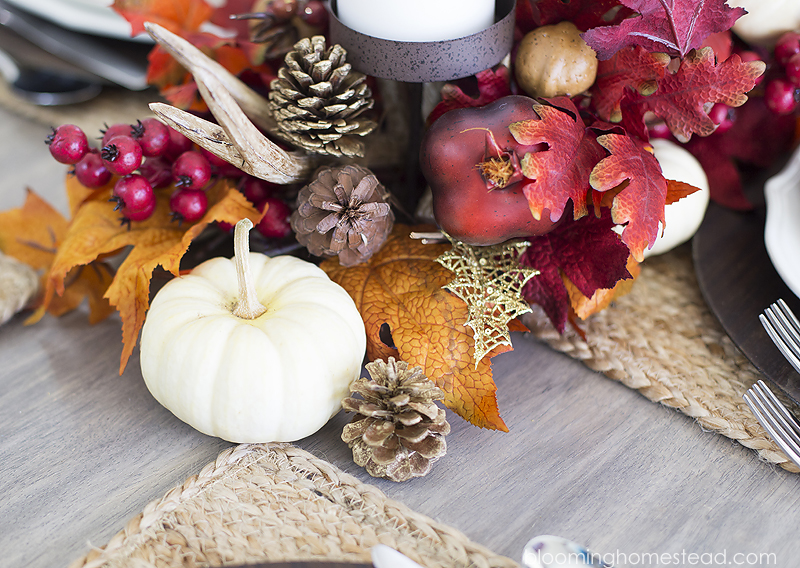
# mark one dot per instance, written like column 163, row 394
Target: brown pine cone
column 343, row 212
column 399, row 429
column 318, row 100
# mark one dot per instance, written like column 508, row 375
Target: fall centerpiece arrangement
column 543, row 183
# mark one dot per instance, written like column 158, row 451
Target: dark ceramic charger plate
column 738, row 281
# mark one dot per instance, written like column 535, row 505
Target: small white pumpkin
column 766, row 20
column 682, row 218
column 252, row 357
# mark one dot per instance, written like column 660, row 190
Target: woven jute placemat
column 663, row 341
column 276, row 502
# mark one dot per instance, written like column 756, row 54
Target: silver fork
column 784, row 329
column 775, row 418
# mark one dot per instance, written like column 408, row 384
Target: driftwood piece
column 236, row 139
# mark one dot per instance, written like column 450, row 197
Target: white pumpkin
column 766, row 20
column 277, row 371
column 683, row 217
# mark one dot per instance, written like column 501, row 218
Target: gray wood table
column 83, row 449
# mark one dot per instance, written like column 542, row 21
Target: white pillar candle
column 416, row 20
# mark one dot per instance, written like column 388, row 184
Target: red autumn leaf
column 672, row 26
column 560, row 173
column 587, row 251
column 584, row 14
column 757, row 137
column 178, row 16
column 633, row 68
column 683, row 96
column 640, row 204
column 492, row 85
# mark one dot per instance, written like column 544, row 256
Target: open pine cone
column 399, row 429
column 343, row 212
column 318, row 100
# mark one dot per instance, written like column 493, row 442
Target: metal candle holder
column 418, row 62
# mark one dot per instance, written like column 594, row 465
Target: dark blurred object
column 34, row 43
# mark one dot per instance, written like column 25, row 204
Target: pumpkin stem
column 248, row 306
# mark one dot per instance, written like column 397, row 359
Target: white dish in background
column 782, row 230
column 94, row 17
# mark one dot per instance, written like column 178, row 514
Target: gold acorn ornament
column 398, row 430
column 318, row 100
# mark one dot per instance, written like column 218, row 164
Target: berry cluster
column 782, row 91
column 147, row 156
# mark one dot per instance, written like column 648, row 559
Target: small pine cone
column 399, row 429
column 343, row 212
column 317, row 100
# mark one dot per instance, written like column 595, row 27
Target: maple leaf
column 630, row 68
column 587, row 252
column 178, row 16
column 584, row 14
column 584, row 306
column 32, row 234
column 672, row 26
column 561, row 172
column 683, row 97
column 96, row 231
column 491, row 86
column 640, row 205
column 399, row 294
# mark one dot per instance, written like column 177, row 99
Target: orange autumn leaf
column 96, row 231
column 584, row 306
column 407, row 314
column 678, row 190
column 175, row 15
column 32, row 234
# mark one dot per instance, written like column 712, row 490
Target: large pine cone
column 399, row 429
column 343, row 212
column 318, row 100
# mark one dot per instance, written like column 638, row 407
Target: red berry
column 191, row 170
column 314, row 14
column 133, row 193
column 91, row 171
column 153, row 136
column 283, row 10
column 788, row 44
column 122, row 155
column 188, row 205
column 119, row 129
column 178, row 144
column 256, row 190
column 722, row 115
column 68, row 144
column 660, row 130
column 128, row 215
column 213, row 159
column 275, row 223
column 792, row 69
column 158, row 171
column 779, row 95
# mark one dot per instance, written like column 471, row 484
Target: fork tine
column 774, row 330
column 771, row 426
column 788, row 319
column 779, row 410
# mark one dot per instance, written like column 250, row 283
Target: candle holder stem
column 414, row 182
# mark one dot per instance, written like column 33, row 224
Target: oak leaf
column 640, row 205
column 96, row 231
column 672, row 26
column 32, row 234
column 561, row 172
column 586, row 252
column 683, row 98
column 408, row 315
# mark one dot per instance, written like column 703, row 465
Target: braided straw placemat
column 662, row 340
column 276, row 502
